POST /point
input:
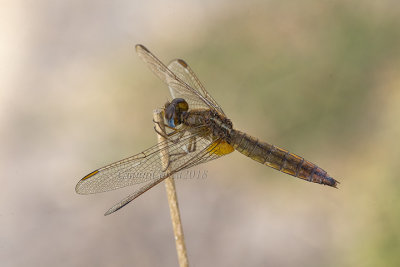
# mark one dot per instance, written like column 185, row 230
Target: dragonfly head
column 174, row 111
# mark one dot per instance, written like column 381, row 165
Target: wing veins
column 158, row 68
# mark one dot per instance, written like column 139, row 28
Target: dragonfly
column 195, row 130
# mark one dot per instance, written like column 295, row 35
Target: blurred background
column 319, row 78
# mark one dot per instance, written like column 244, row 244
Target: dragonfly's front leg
column 191, row 147
column 163, row 131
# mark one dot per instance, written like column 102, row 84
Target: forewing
column 133, row 170
column 209, row 152
column 148, row 165
column 181, row 69
column 180, row 79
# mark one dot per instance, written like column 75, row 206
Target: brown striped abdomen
column 279, row 159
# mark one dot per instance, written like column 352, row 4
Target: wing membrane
column 147, row 165
column 206, row 154
column 180, row 79
column 181, row 69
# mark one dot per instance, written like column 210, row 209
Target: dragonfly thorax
column 218, row 126
column 221, row 126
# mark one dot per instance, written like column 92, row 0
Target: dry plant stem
column 172, row 197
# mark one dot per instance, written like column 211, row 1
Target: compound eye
column 182, row 105
column 169, row 111
column 174, row 110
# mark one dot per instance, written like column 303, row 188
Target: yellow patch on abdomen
column 221, row 149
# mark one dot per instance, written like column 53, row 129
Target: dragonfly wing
column 183, row 83
column 139, row 168
column 134, row 195
column 133, row 170
column 147, row 165
column 181, row 69
column 210, row 152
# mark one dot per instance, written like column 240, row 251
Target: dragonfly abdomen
column 279, row 159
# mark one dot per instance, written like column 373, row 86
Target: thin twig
column 172, row 197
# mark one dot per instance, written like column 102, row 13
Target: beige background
column 319, row 78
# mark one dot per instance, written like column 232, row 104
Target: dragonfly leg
column 169, row 127
column 163, row 124
column 180, row 155
column 192, row 144
column 168, row 135
column 191, row 148
column 163, row 131
column 165, row 134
